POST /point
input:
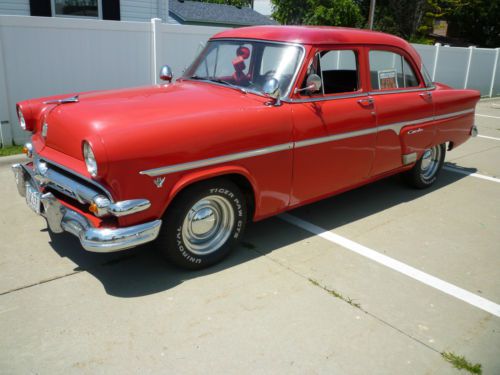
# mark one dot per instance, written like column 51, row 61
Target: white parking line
column 477, row 114
column 466, row 173
column 425, row 278
column 488, row 137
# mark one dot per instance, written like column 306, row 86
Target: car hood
column 102, row 115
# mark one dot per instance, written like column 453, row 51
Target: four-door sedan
column 266, row 119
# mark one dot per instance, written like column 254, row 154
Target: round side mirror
column 166, row 73
column 272, row 88
column 313, row 83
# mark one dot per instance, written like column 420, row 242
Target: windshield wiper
column 217, row 80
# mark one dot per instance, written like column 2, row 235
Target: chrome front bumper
column 63, row 219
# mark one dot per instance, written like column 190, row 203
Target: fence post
column 5, row 121
column 494, row 73
column 467, row 73
column 436, row 56
column 155, row 45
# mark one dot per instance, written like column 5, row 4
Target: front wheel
column 203, row 224
column 426, row 170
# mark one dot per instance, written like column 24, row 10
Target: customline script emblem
column 159, row 181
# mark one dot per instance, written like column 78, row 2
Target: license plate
column 33, row 199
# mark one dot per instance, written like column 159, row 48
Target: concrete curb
column 13, row 159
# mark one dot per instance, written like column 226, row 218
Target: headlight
column 90, row 162
column 22, row 122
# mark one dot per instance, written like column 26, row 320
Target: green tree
column 477, row 22
column 290, row 12
column 317, row 12
column 333, row 13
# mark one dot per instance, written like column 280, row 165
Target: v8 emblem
column 159, row 181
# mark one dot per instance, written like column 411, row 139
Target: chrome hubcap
column 430, row 162
column 208, row 225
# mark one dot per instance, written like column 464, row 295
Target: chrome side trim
column 409, row 158
column 217, row 160
column 395, row 127
column 335, row 137
column 459, row 113
column 400, row 91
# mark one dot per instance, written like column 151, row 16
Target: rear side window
column 389, row 71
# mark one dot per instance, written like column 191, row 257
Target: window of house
column 77, row 8
column 389, row 70
column 338, row 70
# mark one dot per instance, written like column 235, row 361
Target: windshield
column 247, row 64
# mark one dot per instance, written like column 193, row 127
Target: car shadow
column 143, row 271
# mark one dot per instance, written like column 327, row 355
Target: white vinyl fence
column 44, row 56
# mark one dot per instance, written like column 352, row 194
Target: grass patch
column 11, row 150
column 336, row 294
column 459, row 362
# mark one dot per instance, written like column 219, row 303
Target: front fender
column 206, row 174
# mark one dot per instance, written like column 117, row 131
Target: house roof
column 198, row 12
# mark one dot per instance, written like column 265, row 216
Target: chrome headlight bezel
column 22, row 121
column 90, row 160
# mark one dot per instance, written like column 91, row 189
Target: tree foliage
column 476, row 21
column 317, row 12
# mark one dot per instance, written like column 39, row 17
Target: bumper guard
column 63, row 219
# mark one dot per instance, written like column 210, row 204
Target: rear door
column 404, row 107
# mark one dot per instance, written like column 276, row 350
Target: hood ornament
column 159, row 181
column 73, row 99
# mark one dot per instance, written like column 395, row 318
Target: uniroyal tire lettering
column 183, row 251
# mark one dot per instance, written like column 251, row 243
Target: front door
column 334, row 129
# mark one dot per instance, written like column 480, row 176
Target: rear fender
column 417, row 138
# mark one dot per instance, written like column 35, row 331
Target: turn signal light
column 93, row 208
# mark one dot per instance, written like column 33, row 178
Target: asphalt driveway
column 379, row 280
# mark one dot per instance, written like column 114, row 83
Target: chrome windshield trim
column 297, row 69
column 395, row 127
column 216, row 160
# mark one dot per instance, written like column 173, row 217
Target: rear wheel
column 203, row 224
column 426, row 170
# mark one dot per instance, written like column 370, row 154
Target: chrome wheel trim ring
column 208, row 225
column 430, row 162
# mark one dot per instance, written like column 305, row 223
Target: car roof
column 317, row 35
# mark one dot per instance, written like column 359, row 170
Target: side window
column 339, row 71
column 389, row 70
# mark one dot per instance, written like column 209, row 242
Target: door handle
column 366, row 102
column 426, row 95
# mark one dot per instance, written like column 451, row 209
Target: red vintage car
column 266, row 119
